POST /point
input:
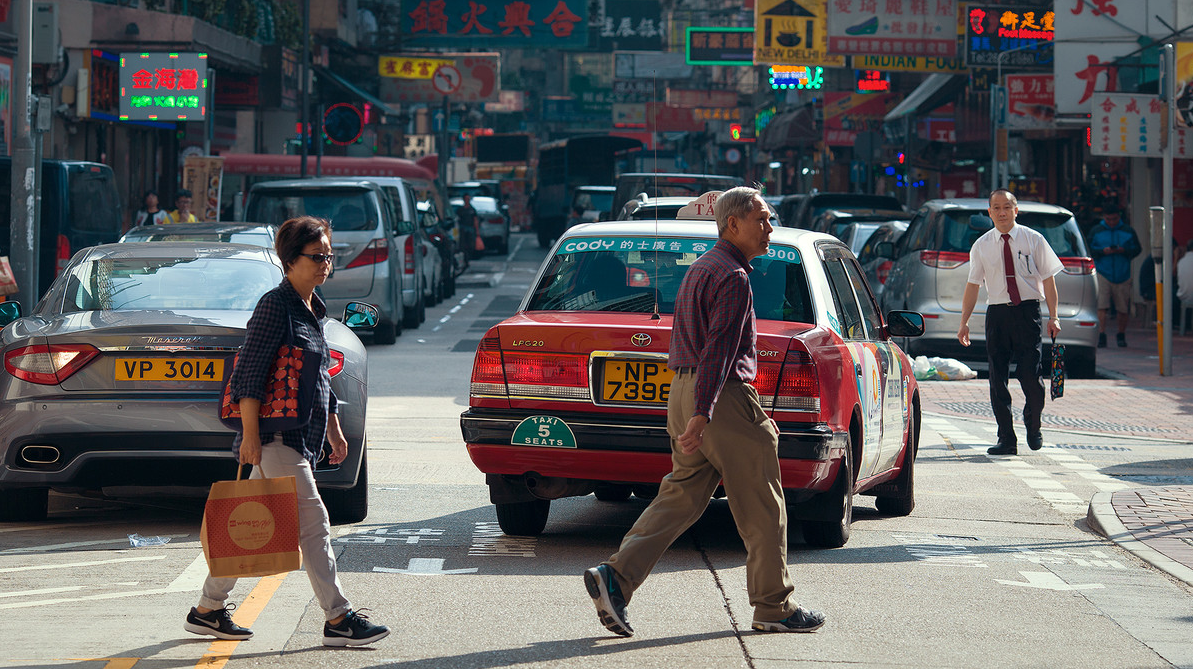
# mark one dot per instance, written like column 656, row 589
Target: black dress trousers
column 1013, row 335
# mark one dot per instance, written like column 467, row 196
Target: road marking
column 448, row 317
column 71, row 565
column 74, row 544
column 41, row 591
column 220, row 651
column 425, row 567
column 488, row 539
column 190, row 580
column 1046, row 580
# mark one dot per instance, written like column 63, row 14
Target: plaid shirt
column 714, row 327
column 267, row 329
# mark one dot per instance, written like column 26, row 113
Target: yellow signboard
column 403, row 67
column 792, row 32
column 910, row 63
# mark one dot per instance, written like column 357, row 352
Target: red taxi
column 568, row 396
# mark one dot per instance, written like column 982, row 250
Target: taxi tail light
column 50, row 364
column 337, row 362
column 798, row 388
column 944, row 259
column 376, row 252
column 1077, row 265
column 883, row 271
column 488, row 374
column 766, row 381
column 547, row 374
column 408, row 263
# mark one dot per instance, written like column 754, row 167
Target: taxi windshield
column 630, row 274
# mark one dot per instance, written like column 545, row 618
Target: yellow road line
column 246, row 614
column 121, row 662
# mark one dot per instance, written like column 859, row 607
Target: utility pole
column 304, row 81
column 26, row 192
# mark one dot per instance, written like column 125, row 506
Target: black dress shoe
column 1003, row 449
column 1036, row 442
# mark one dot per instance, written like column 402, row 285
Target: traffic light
column 735, row 131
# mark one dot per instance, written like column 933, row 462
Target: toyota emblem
column 640, row 339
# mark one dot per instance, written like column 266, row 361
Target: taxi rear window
column 630, row 274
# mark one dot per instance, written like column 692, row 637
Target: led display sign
column 1017, row 37
column 163, row 86
column 873, row 81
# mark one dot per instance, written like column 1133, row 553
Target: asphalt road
column 994, row 568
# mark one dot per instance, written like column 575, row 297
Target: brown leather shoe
column 1003, row 449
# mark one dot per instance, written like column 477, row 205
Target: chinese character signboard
column 202, row 176
column 495, row 24
column 1125, row 125
column 405, row 67
column 631, row 25
column 102, row 100
column 163, row 86
column 792, row 32
column 955, row 65
column 687, row 97
column 1017, row 37
column 882, row 27
column 847, row 114
column 720, row 46
column 480, row 81
column 1030, row 101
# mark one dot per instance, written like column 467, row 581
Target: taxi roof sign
column 701, row 208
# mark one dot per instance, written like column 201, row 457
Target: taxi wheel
column 903, row 503
column 24, row 504
column 613, row 493
column 523, row 519
column 834, row 533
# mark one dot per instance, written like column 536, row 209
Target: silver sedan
column 112, row 381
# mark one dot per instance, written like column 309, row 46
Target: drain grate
column 983, row 409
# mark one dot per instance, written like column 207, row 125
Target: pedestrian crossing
column 1039, row 475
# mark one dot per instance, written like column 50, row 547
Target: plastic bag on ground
column 921, row 369
column 950, row 369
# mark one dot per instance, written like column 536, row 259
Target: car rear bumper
column 630, row 449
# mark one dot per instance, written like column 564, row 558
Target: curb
column 1103, row 520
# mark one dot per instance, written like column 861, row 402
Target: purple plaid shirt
column 714, row 327
column 267, row 329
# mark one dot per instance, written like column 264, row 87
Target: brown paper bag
column 8, row 281
column 250, row 528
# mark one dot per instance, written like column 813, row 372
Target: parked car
column 808, row 208
column 408, row 243
column 664, row 184
column 877, row 268
column 80, row 206
column 124, row 362
column 494, row 224
column 363, row 230
column 788, row 206
column 568, row 396
column 643, row 208
column 835, row 221
column 255, row 234
column 440, row 251
column 594, row 202
column 482, row 187
column 931, row 267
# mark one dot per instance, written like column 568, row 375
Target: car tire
column 523, row 519
column 422, row 310
column 609, row 492
column 386, row 332
column 24, row 504
column 902, row 503
column 834, row 533
column 410, row 317
column 450, row 285
column 350, row 505
column 1078, row 366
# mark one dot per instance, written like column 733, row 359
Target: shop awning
column 790, row 130
column 932, row 92
column 352, row 89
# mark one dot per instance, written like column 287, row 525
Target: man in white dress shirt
column 1018, row 267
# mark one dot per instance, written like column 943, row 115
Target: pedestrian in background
column 1018, row 268
column 1113, row 244
column 150, row 213
column 182, row 208
column 719, row 433
column 293, row 310
column 1184, row 282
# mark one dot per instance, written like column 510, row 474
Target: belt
column 1021, row 303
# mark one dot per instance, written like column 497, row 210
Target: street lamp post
column 995, row 163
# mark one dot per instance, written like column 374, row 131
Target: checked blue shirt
column 267, row 330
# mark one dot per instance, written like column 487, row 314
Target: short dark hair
column 1112, row 209
column 182, row 192
column 1011, row 196
column 148, row 193
column 295, row 234
column 1189, row 246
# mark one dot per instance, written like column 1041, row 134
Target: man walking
column 1019, row 268
column 719, row 432
column 1113, row 244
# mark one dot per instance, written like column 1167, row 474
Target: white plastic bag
column 950, row 369
column 922, row 369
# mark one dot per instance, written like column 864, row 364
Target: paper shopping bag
column 250, row 528
column 1057, row 388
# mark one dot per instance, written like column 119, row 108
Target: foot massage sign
column 250, row 528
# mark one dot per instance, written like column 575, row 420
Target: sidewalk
column 1132, row 400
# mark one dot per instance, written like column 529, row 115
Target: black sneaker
column 1003, row 449
column 1122, row 340
column 354, row 630
column 1101, row 340
column 606, row 595
column 217, row 623
column 803, row 620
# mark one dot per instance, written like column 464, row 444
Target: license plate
column 169, row 369
column 639, row 381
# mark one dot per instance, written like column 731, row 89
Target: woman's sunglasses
column 319, row 257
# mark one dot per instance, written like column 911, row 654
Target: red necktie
column 1008, row 264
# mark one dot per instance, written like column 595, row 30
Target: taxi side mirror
column 904, row 323
column 360, row 316
column 9, row 312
